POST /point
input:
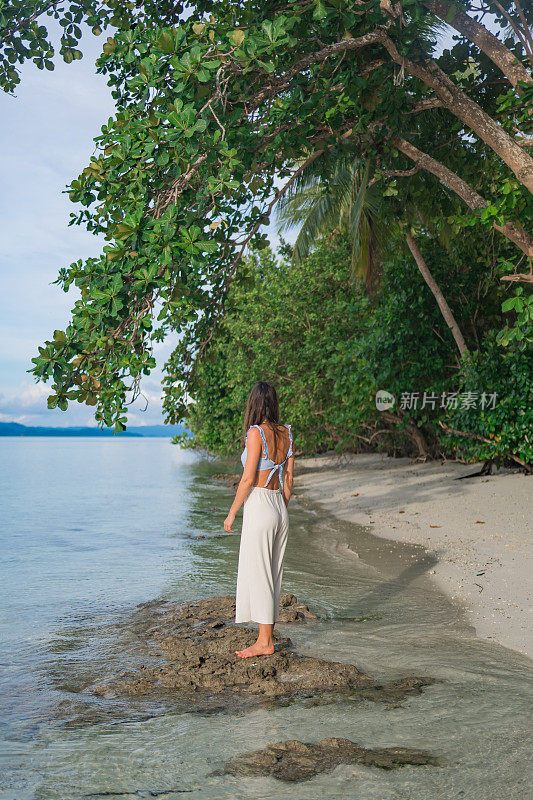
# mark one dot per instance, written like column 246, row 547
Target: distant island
column 146, row 431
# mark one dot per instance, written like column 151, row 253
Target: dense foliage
column 328, row 349
column 507, row 428
column 292, row 325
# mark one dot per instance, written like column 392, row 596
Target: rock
column 228, row 477
column 290, row 610
column 293, row 760
column 221, row 608
column 190, row 655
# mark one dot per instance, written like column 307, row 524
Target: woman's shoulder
column 255, row 431
column 260, row 428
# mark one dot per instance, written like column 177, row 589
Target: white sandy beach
column 480, row 529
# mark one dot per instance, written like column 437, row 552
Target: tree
column 347, row 199
column 24, row 34
column 314, row 333
column 336, row 194
column 212, row 113
column 294, row 325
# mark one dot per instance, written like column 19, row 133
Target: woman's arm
column 254, row 447
column 288, row 476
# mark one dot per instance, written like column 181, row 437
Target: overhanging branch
column 473, row 199
column 487, row 42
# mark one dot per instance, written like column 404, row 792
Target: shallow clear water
column 92, row 527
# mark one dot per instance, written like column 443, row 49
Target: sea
column 90, row 528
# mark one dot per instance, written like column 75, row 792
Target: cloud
column 26, row 403
column 46, row 139
column 26, row 396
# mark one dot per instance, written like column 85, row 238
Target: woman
column 265, row 489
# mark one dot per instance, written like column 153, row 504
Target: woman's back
column 278, row 445
column 276, row 449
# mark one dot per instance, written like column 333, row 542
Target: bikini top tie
column 265, row 462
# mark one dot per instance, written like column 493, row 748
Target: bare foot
column 256, row 650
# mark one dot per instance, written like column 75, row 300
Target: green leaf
column 110, row 46
column 320, row 10
column 60, row 337
column 508, row 304
column 166, row 42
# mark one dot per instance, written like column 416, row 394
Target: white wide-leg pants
column 265, row 526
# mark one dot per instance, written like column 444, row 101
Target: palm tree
column 338, row 193
column 334, row 195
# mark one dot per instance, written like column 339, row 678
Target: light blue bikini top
column 266, row 462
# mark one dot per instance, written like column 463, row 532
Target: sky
column 46, row 139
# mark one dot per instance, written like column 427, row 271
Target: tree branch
column 464, row 108
column 489, row 44
column 524, row 37
column 435, row 289
column 473, row 199
column 480, row 438
column 425, row 105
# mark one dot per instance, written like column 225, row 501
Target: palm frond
column 335, row 193
column 321, row 216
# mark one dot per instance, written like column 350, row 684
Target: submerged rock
column 298, row 761
column 222, row 607
column 190, row 650
column 228, row 477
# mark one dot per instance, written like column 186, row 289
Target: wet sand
column 479, row 529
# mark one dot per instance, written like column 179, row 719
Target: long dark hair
column 262, row 404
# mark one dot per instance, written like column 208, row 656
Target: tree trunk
column 437, row 294
column 467, row 110
column 489, row 44
column 473, row 199
column 412, row 431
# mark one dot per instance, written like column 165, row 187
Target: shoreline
column 478, row 529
